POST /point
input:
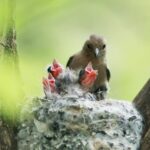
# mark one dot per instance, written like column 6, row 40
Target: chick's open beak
column 97, row 52
column 93, row 73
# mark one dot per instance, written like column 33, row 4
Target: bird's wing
column 69, row 61
column 108, row 74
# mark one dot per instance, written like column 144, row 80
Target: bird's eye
column 89, row 46
column 49, row 69
column 104, row 46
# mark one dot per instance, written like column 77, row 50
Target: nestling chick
column 49, row 86
column 94, row 51
column 55, row 69
column 87, row 77
column 64, row 78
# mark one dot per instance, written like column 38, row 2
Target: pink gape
column 88, row 78
column 55, row 69
column 49, row 85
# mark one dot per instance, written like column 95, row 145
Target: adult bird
column 94, row 51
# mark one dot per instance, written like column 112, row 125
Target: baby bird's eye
column 104, row 46
column 49, row 69
column 90, row 46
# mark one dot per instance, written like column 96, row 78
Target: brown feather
column 86, row 55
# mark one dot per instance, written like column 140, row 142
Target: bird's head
column 87, row 76
column 55, row 69
column 95, row 47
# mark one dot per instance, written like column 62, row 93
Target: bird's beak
column 97, row 52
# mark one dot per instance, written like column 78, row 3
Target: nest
column 75, row 120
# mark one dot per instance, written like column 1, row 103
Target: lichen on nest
column 77, row 123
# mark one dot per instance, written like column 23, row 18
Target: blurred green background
column 48, row 29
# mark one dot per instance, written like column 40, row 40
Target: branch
column 142, row 103
column 145, row 141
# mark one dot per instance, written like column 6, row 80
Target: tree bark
column 145, row 143
column 7, row 136
column 142, row 103
column 9, row 61
column 9, row 38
